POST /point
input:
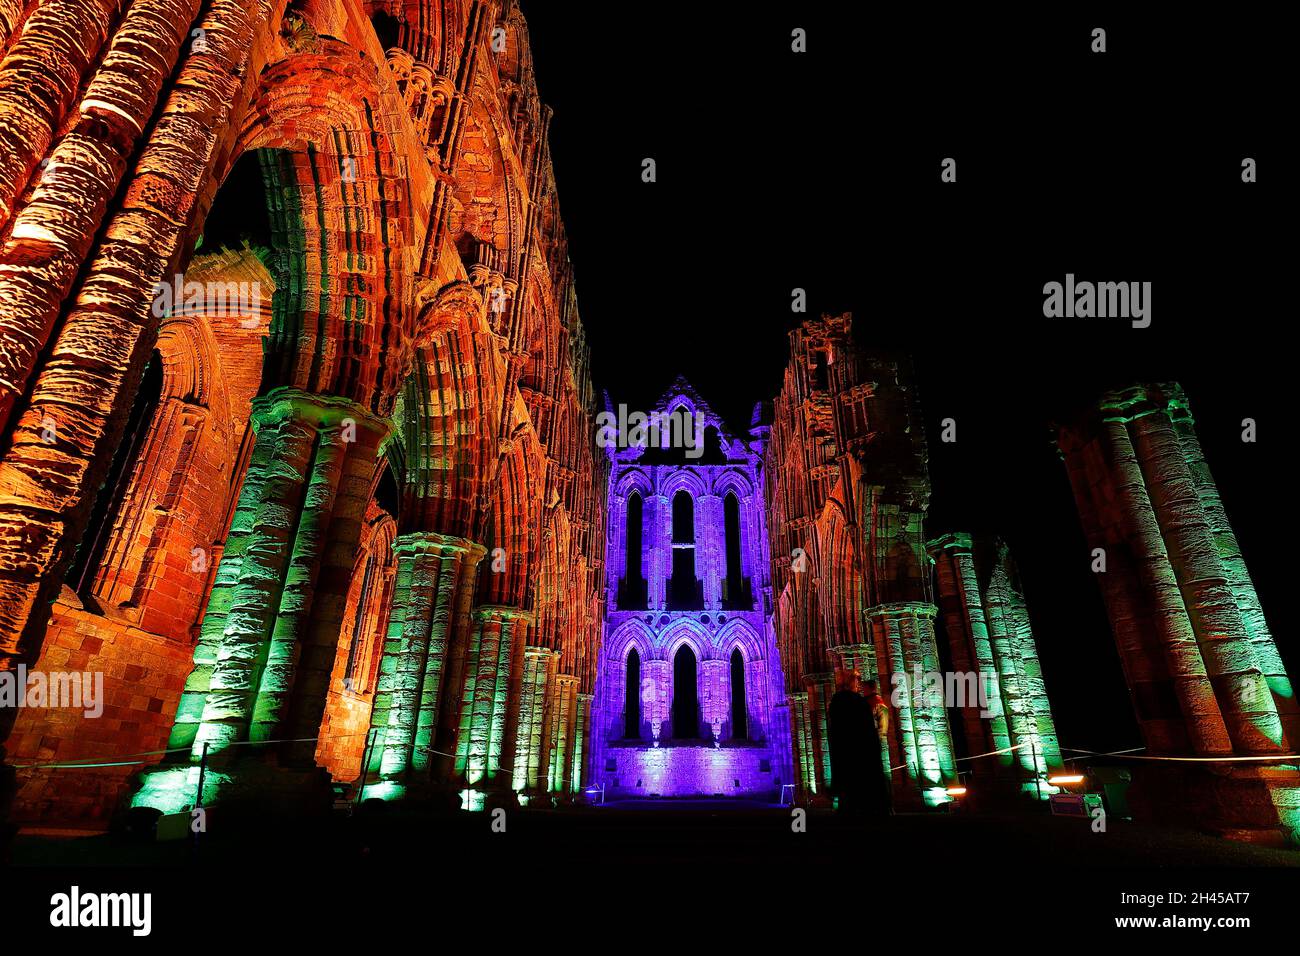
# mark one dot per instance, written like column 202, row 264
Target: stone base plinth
column 1253, row 804
column 700, row 770
column 247, row 786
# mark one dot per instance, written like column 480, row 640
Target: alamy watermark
column 947, row 689
column 1098, row 300
column 206, row 298
column 77, row 690
column 676, row 429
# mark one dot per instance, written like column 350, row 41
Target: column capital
column 432, row 541
column 953, row 541
column 503, row 611
column 1138, row 401
column 285, row 402
column 859, row 648
column 903, row 609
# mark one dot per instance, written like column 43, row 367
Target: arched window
column 353, row 676
column 821, row 371
column 369, row 618
column 739, row 710
column 733, row 586
column 632, row 590
column 633, row 571
column 683, row 518
column 686, row 704
column 85, row 564
column 684, row 592
column 632, row 697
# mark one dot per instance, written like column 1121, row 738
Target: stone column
column 1238, row 577
column 907, row 648
column 485, row 699
column 581, row 727
column 859, row 658
column 658, row 549
column 656, row 695
column 962, row 611
column 709, row 564
column 561, row 770
column 1155, row 638
column 268, row 598
column 820, row 688
column 434, row 573
column 801, row 746
column 531, row 746
column 1231, row 666
column 1208, row 679
column 1020, row 680
column 715, row 694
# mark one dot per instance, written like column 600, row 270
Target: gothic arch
column 840, row 578
column 683, row 479
column 685, row 631
column 341, row 325
column 632, row 633
column 734, row 480
column 739, row 633
column 448, row 420
column 514, row 519
column 635, row 479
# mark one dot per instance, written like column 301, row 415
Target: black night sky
column 821, row 171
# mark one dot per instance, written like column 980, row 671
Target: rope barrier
column 121, row 762
column 1128, row 755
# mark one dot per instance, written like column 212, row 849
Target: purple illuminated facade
column 689, row 698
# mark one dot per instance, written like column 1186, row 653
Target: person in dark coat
column 856, row 774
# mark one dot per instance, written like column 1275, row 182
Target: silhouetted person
column 856, row 774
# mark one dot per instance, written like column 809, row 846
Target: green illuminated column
column 1238, row 577
column 1175, row 702
column 337, row 508
column 1201, row 664
column 581, row 726
column 434, row 574
column 299, row 502
column 1230, row 662
column 1020, row 678
column 532, row 747
column 907, row 648
column 485, row 700
column 801, row 744
column 859, row 658
column 962, row 609
column 563, row 723
column 821, row 687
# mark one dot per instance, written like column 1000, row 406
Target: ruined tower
column 847, row 490
column 691, row 700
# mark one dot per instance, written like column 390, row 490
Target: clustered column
column 487, row 705
column 906, row 646
column 1201, row 665
column 261, row 665
column 991, row 642
column 1174, row 583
